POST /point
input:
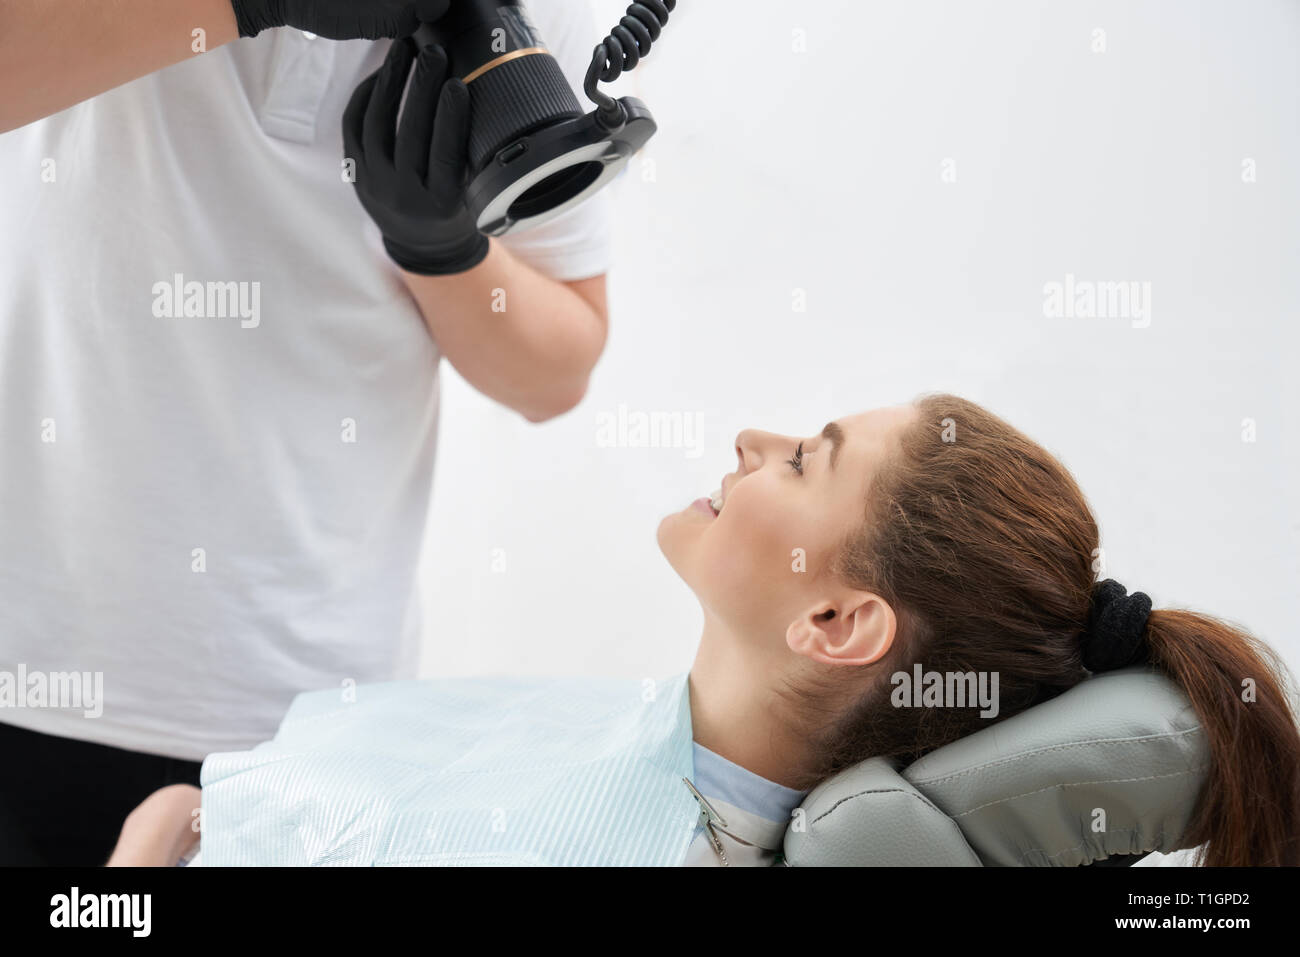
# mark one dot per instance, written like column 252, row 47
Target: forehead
column 876, row 432
column 871, row 437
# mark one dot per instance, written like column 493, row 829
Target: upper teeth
column 716, row 500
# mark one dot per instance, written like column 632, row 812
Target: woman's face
column 762, row 561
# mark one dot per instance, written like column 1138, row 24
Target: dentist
column 210, row 513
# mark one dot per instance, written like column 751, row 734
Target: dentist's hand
column 338, row 19
column 411, row 178
column 161, row 830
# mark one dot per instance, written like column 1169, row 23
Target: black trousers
column 62, row 802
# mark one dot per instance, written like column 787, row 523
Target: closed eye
column 796, row 462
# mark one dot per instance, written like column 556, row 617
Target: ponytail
column 1249, row 808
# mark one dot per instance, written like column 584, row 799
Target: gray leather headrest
column 1111, row 767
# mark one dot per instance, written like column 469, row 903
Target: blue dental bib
column 472, row 771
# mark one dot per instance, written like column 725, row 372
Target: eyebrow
column 833, row 434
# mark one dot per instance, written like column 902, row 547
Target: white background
column 776, row 170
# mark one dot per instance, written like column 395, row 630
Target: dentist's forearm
column 517, row 336
column 56, row 53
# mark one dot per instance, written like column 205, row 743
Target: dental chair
column 1124, row 749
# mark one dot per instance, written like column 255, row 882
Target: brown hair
column 984, row 546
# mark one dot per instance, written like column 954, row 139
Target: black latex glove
column 338, row 19
column 411, row 178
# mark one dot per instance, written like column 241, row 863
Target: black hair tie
column 1115, row 636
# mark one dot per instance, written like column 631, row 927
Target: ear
column 856, row 630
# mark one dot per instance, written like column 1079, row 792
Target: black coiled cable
column 626, row 46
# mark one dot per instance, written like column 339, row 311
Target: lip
column 703, row 505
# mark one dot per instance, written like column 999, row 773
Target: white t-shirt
column 181, row 507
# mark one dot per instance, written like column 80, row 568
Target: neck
column 735, row 711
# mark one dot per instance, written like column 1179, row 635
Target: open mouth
column 713, row 504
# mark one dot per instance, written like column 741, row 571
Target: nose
column 752, row 446
column 746, row 451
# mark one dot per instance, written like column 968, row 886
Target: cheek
column 749, row 546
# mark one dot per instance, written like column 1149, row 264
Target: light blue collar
column 766, row 805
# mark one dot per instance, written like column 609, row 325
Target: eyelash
column 796, row 463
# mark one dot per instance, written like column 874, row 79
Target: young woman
column 932, row 532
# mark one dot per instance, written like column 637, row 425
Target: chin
column 672, row 539
column 665, row 538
